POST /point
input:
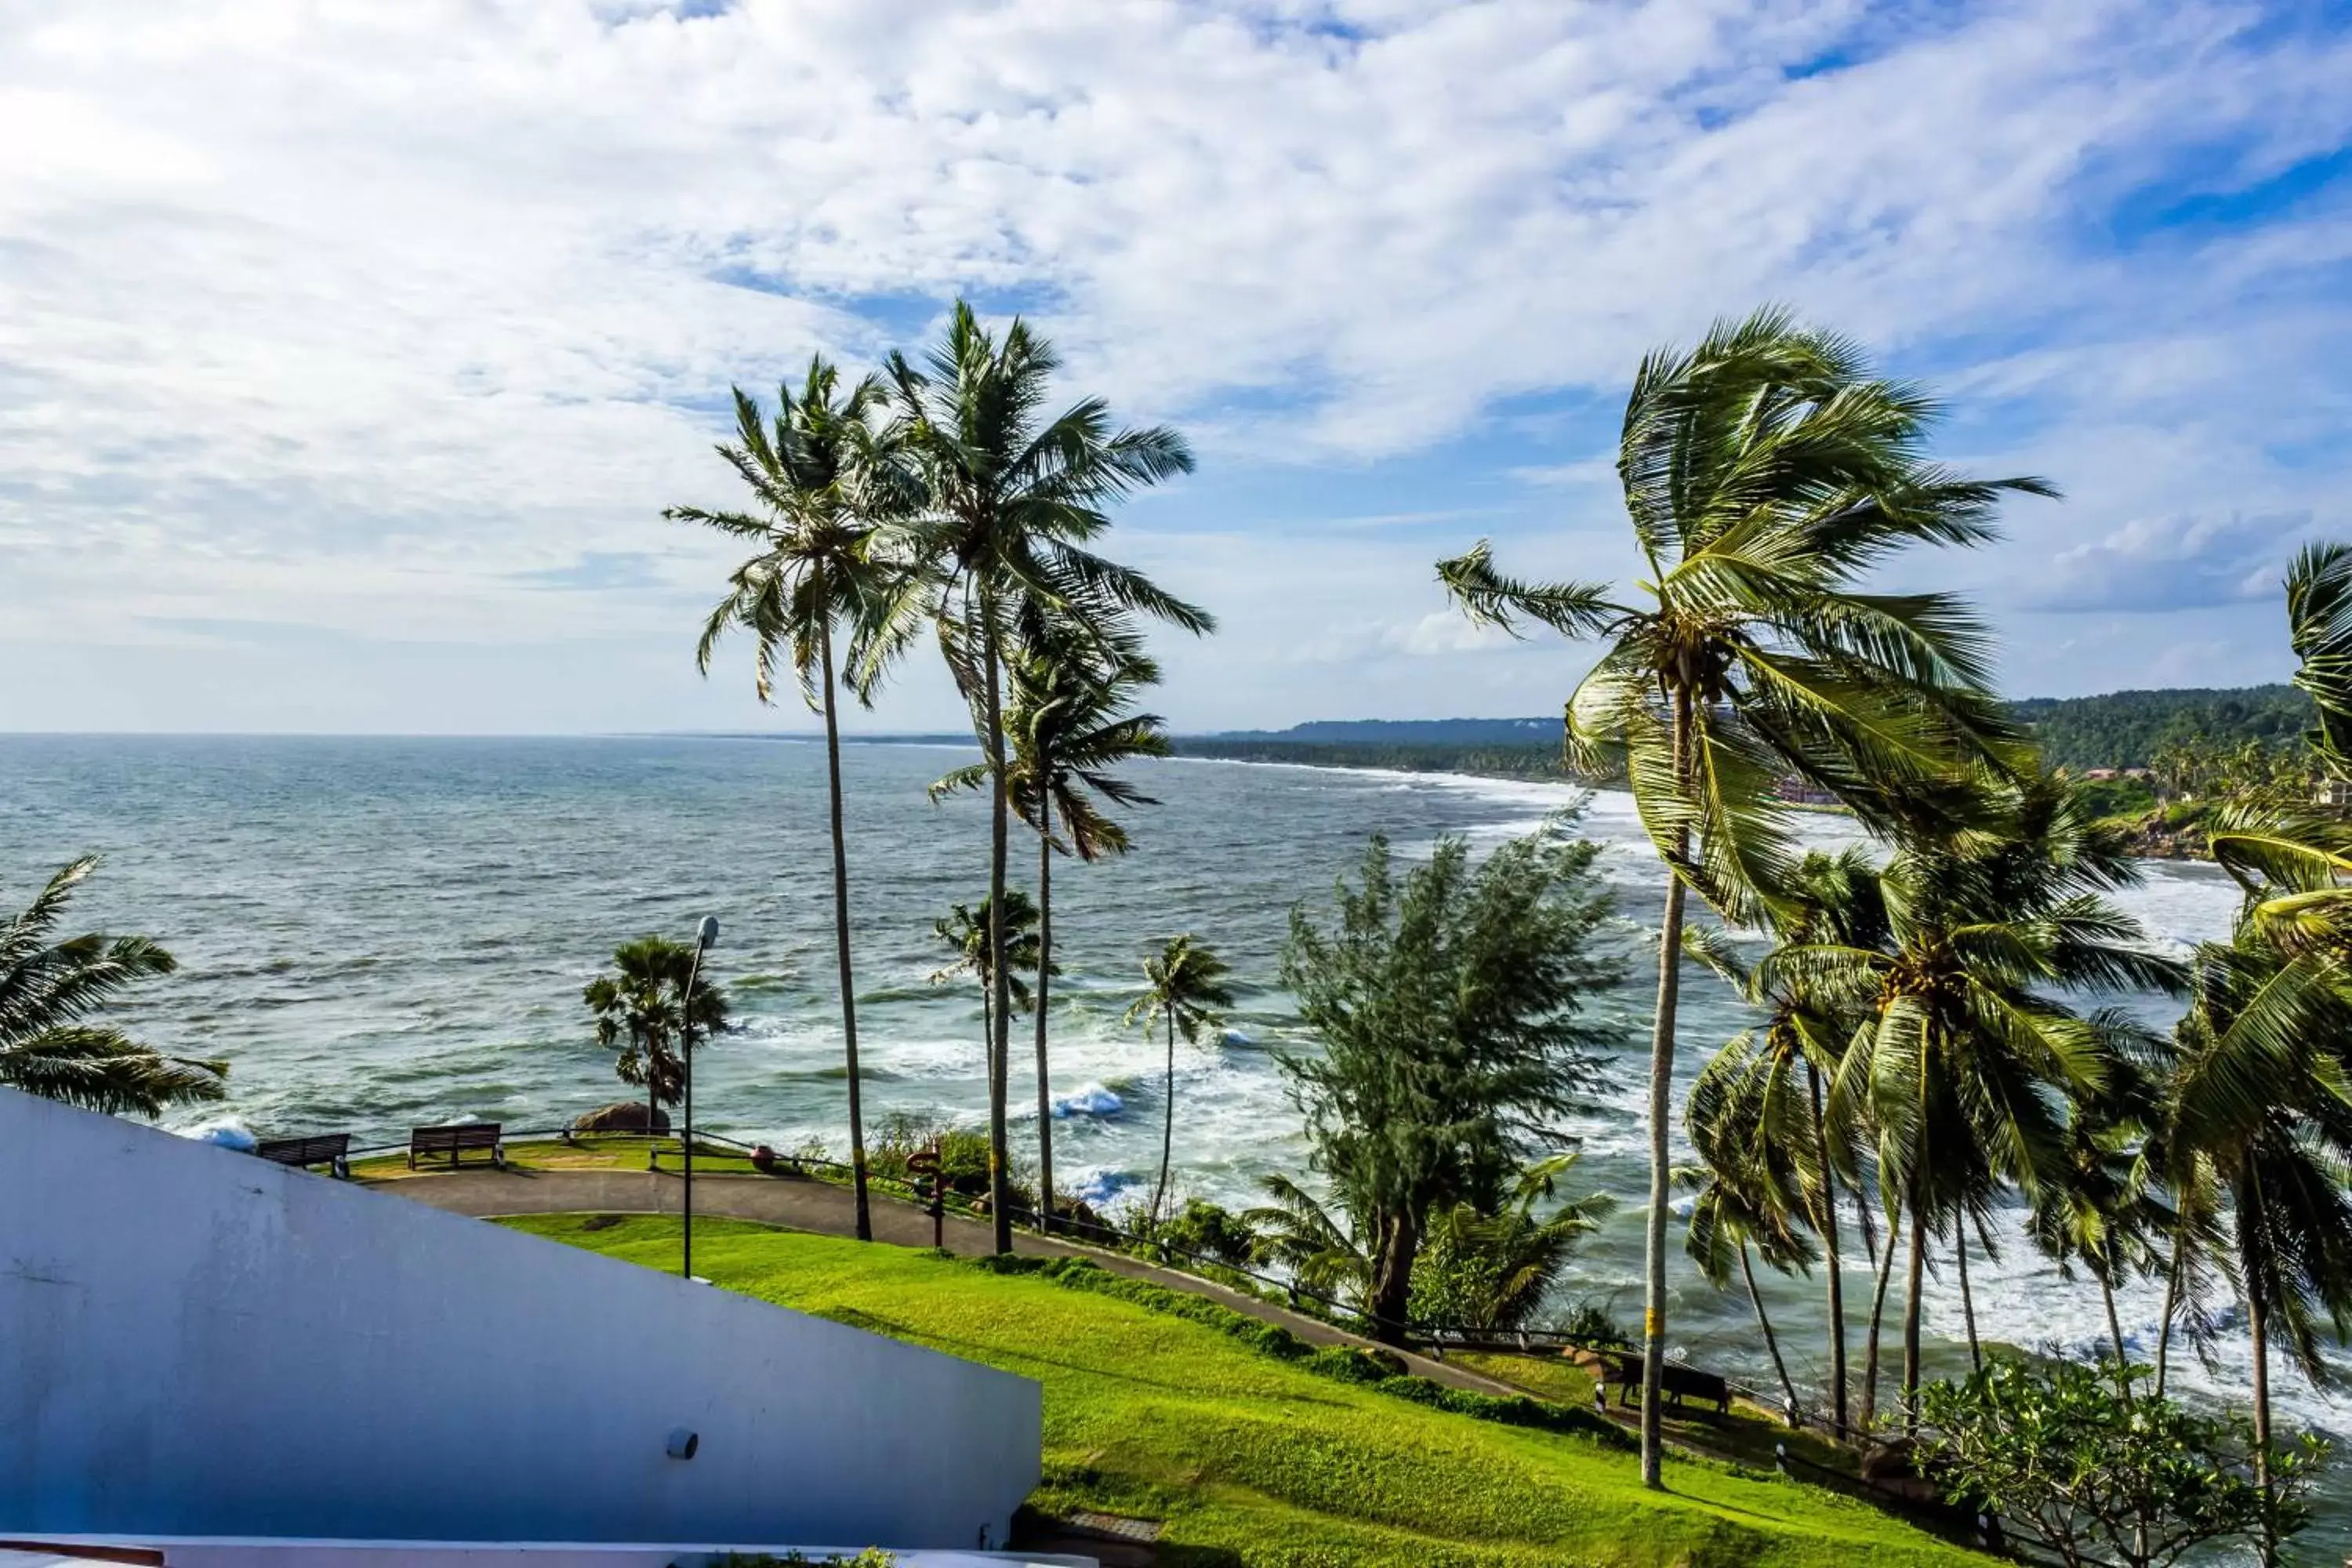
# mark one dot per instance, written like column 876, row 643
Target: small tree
column 641, row 1007
column 1187, row 987
column 1492, row 1270
column 1447, row 1004
column 2070, row 1456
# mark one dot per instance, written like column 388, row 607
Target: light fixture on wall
column 683, row 1444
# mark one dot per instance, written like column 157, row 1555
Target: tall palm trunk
column 1772, row 1341
column 999, row 979
column 2171, row 1304
column 841, row 940
column 1044, row 968
column 1662, row 1084
column 2258, row 1335
column 2115, row 1332
column 1167, row 1124
column 1827, row 1223
column 1870, row 1345
column 1967, row 1297
column 1914, row 1274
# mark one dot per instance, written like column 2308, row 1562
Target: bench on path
column 1623, row 1369
column 332, row 1150
column 456, row 1142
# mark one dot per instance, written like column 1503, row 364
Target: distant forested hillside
column 2123, row 729
column 2118, row 730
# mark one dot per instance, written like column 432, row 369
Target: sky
column 350, row 352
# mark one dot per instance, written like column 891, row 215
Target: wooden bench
column 456, row 1142
column 1623, row 1369
column 332, row 1150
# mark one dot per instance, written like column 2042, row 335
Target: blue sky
column 351, row 353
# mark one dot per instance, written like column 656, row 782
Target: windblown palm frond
column 50, row 993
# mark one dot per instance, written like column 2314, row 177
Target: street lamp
column 706, row 937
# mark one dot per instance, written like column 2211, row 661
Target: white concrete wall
column 195, row 1341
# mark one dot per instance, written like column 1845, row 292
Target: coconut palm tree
column 817, row 570
column 641, row 1005
column 1186, row 981
column 978, row 946
column 2260, row 1114
column 1001, row 503
column 50, row 992
column 1968, row 1052
column 1766, row 473
column 1069, row 726
column 1755, row 1188
column 1829, row 897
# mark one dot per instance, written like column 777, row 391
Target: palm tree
column 1766, row 473
column 978, row 946
column 1786, row 1134
column 1068, row 724
column 1187, row 985
column 817, row 568
column 1002, row 503
column 641, row 1006
column 50, row 992
column 1758, row 1181
column 1967, row 1053
column 2259, row 1113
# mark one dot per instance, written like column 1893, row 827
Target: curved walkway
column 800, row 1203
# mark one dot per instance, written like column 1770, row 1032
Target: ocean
column 378, row 933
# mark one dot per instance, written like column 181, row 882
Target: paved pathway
column 805, row 1205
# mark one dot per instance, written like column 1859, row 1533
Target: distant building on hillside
column 2335, row 793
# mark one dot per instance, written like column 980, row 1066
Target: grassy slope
column 1252, row 1461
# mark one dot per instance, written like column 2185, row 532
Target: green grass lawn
column 1252, row 1461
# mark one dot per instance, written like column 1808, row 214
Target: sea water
column 380, row 933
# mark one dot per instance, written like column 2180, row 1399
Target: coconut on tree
column 818, row 571
column 1766, row 473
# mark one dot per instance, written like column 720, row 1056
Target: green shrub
column 1211, row 1231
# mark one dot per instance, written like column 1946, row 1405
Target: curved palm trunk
column 1000, row 1027
column 841, row 941
column 1913, row 1275
column 1662, row 1083
column 1168, row 1122
column 1772, row 1341
column 1044, row 1090
column 1870, row 1347
column 1967, row 1297
column 1827, row 1225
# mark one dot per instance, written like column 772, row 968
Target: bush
column 2069, row 1459
column 1591, row 1324
column 1211, row 1231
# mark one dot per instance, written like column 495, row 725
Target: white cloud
column 380, row 317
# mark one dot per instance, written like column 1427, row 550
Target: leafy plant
column 2073, row 1456
column 641, row 1006
column 1448, row 1005
column 50, row 1045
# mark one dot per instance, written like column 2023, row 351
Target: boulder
column 621, row 1116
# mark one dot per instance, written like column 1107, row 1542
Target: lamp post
column 706, row 937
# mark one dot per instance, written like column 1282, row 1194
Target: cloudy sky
column 349, row 351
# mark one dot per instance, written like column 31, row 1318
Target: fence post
column 1780, row 1457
